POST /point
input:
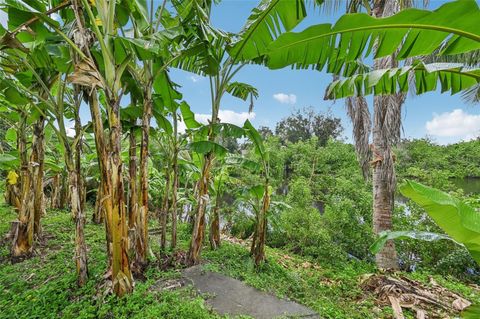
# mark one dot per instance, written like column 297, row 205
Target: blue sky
column 451, row 120
column 444, row 118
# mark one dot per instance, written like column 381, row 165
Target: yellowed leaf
column 12, row 177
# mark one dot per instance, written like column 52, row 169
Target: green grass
column 45, row 285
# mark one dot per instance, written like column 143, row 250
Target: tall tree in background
column 305, row 123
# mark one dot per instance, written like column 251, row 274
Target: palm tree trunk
column 386, row 124
column 383, row 193
column 110, row 161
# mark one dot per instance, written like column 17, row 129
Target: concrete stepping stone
column 229, row 296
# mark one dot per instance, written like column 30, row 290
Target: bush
column 301, row 229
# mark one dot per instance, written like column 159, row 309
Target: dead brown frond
column 427, row 301
column 357, row 110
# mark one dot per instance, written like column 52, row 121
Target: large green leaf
column 241, row 90
column 240, row 161
column 188, row 116
column 5, row 158
column 226, row 130
column 205, row 147
column 383, row 237
column 453, row 77
column 163, row 123
column 166, row 88
column 460, row 221
column 201, row 57
column 412, row 32
column 11, row 135
column 264, row 24
column 256, row 139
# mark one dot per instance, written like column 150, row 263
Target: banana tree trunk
column 9, row 194
column 98, row 214
column 173, row 243
column 102, row 157
column 22, row 228
column 199, row 223
column 115, row 205
column 12, row 196
column 110, row 161
column 77, row 203
column 37, row 161
column 215, row 225
column 164, row 213
column 142, row 219
column 115, row 208
column 132, row 170
column 113, row 200
column 258, row 245
column 64, row 192
column 54, row 199
column 79, row 217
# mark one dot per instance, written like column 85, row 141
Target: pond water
column 470, row 185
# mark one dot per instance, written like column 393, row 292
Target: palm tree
column 385, row 134
column 390, row 39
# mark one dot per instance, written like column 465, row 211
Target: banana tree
column 210, row 58
column 217, row 188
column 103, row 71
column 258, row 243
column 154, row 45
column 52, row 104
column 28, row 103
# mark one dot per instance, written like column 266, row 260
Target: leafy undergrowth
column 45, row 285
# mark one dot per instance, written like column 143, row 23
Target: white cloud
column 285, row 98
column 70, row 131
column 225, row 116
column 457, row 124
column 195, row 78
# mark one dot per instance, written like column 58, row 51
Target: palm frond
column 453, row 77
column 413, row 32
column 357, row 110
